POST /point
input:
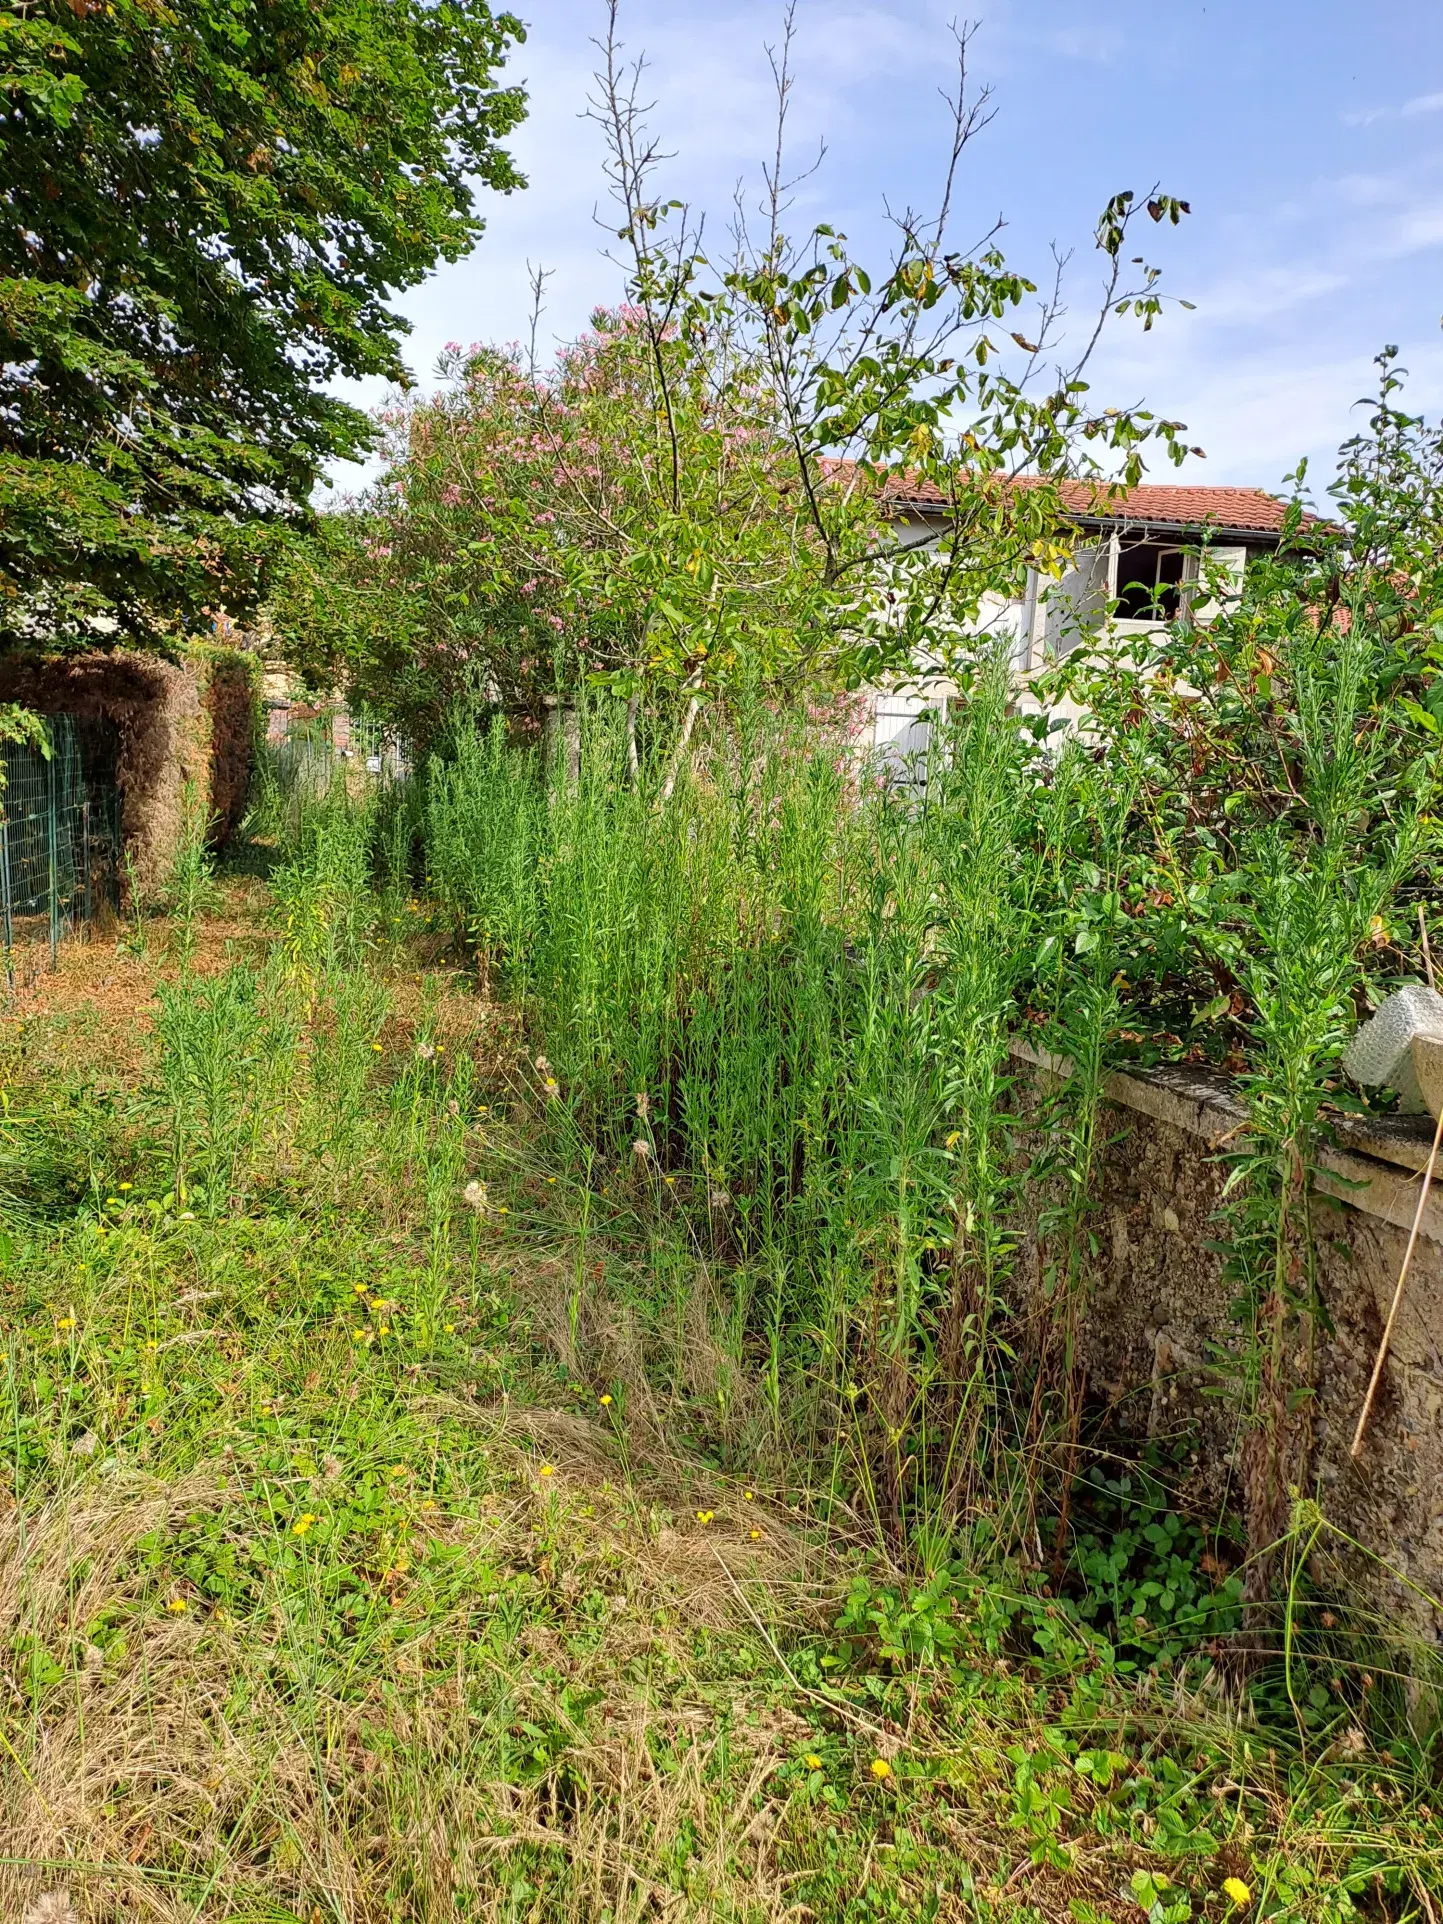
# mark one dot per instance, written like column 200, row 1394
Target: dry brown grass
column 189, row 1779
column 97, row 1004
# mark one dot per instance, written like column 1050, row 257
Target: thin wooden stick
column 1382, row 1355
column 1427, row 951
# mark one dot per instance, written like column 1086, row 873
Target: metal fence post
column 87, row 904
column 53, row 828
column 6, row 910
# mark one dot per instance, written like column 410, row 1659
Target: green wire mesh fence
column 307, row 748
column 59, row 840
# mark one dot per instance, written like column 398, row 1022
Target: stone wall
column 1160, row 1321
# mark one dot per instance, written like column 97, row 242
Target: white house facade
column 1134, row 568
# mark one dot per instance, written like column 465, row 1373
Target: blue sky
column 1307, row 135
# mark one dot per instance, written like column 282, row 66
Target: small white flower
column 474, row 1197
column 640, row 1149
column 425, row 1050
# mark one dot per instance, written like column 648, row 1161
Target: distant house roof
column 1156, row 504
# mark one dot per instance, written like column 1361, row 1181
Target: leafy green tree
column 527, row 538
column 206, row 205
column 690, row 499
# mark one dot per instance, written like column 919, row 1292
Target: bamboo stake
column 1387, row 1337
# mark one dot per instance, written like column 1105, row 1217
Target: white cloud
column 1410, row 109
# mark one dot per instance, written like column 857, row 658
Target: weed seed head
column 51, row 1907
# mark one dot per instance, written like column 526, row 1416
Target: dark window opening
column 1149, row 581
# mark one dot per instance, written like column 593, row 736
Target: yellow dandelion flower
column 384, row 1330
column 755, row 1535
column 303, row 1524
column 177, row 1606
column 125, row 1185
column 65, row 1322
column 377, row 1047
column 398, row 1469
column 812, row 1761
column 547, row 1469
column 704, row 1516
column 428, row 1504
column 450, row 1329
column 605, row 1401
column 748, row 1495
column 880, row 1768
column 1238, row 1891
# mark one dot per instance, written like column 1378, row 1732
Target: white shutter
column 1075, row 603
column 900, row 735
column 1233, row 560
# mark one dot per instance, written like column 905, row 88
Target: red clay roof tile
column 1176, row 505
